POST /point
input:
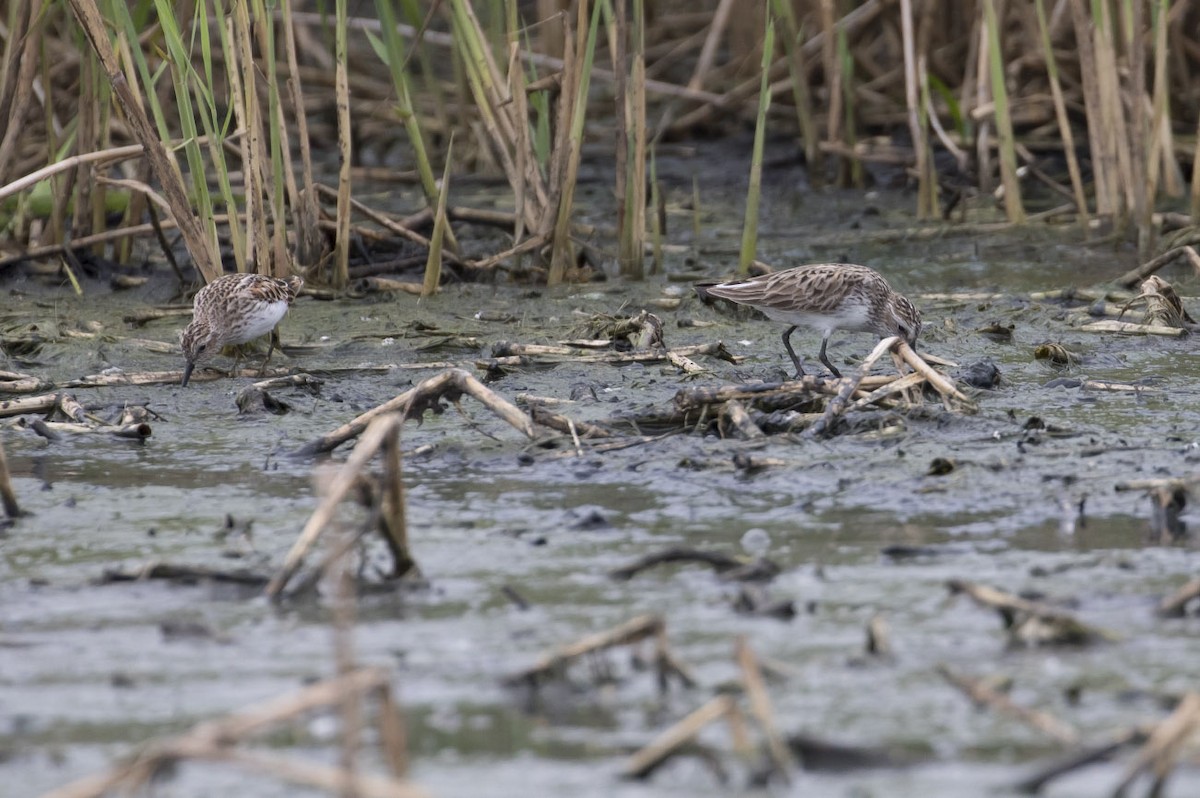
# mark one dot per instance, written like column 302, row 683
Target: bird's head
column 906, row 320
column 200, row 342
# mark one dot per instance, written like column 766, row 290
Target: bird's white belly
column 261, row 321
column 850, row 316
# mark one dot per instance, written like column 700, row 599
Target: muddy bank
column 860, row 525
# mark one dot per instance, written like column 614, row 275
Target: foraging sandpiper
column 826, row 297
column 234, row 309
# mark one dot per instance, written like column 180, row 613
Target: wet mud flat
column 528, row 547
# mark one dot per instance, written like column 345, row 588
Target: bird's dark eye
column 202, row 347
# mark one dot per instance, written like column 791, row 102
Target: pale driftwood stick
column 384, row 285
column 631, row 631
column 1001, row 601
column 1176, row 483
column 427, row 390
column 71, row 408
column 354, row 428
column 168, row 377
column 1193, row 258
column 895, row 386
column 760, row 708
column 528, row 245
column 504, row 353
column 323, row 777
column 684, row 363
column 940, row 383
column 28, row 404
column 503, row 408
column 7, row 496
column 644, row 762
column 559, row 423
column 879, row 642
column 1173, row 605
column 290, row 381
column 985, row 696
column 393, row 737
column 378, row 431
column 1134, row 276
column 740, row 422
column 846, row 388
column 20, row 383
column 506, row 349
column 1162, row 749
column 228, row 730
column 1112, row 325
column 112, row 155
column 695, row 398
column 138, row 431
column 143, row 315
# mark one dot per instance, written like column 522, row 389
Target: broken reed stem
column 1013, row 208
column 394, row 518
column 340, row 571
column 760, row 708
column 379, row 430
column 1165, row 745
column 341, row 82
column 633, row 109
column 917, row 129
column 634, row 630
column 1060, row 114
column 7, row 495
column 433, row 264
column 847, row 387
column 668, row 742
column 214, row 741
column 424, row 392
column 984, row 696
column 940, row 383
column 161, row 161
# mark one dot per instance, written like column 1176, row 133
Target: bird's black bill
column 187, row 374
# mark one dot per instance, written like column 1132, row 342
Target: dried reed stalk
column 8, row 496
column 382, row 432
column 199, row 245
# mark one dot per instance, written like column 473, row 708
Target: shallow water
column 91, row 671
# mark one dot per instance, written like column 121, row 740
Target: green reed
column 754, row 190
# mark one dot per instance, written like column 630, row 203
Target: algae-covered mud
column 517, row 541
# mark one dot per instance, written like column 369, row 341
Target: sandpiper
column 826, row 297
column 234, row 309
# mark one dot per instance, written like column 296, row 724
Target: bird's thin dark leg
column 787, row 344
column 825, row 360
column 274, row 338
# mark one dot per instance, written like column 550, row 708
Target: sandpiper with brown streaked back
column 234, row 309
column 826, row 297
